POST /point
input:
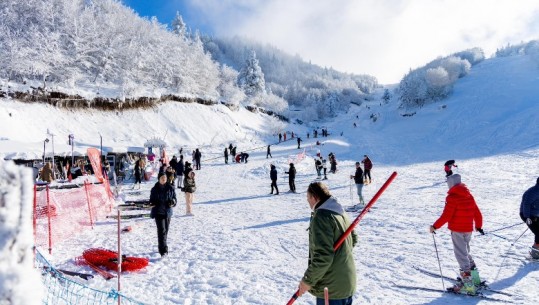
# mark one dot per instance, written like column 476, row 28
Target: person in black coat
column 299, row 143
column 358, row 180
column 268, row 152
column 162, row 199
column 233, row 153
column 187, row 168
column 198, row 156
column 273, row 176
column 291, row 177
column 226, row 155
column 179, row 171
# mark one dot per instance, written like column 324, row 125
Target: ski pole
column 520, row 236
column 438, row 258
column 353, row 225
column 351, row 198
column 499, row 236
column 499, row 229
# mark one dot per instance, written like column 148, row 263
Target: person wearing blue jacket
column 162, row 199
column 529, row 213
column 273, row 176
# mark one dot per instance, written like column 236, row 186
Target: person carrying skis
column 529, row 213
column 461, row 213
column 162, row 199
column 268, row 152
column 273, row 177
column 291, row 177
column 335, row 270
column 368, row 166
column 358, row 180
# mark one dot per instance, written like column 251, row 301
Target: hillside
column 244, row 246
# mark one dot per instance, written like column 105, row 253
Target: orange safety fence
column 62, row 213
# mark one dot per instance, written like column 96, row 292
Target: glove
column 529, row 221
column 480, row 231
column 171, row 203
column 432, row 229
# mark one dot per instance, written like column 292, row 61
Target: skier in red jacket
column 461, row 212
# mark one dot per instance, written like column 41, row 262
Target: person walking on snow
column 162, row 199
column 529, row 213
column 179, row 172
column 189, row 188
column 198, row 156
column 358, row 180
column 461, row 213
column 368, row 166
column 226, row 155
column 291, row 177
column 280, row 137
column 268, row 152
column 299, row 141
column 335, row 270
column 273, row 177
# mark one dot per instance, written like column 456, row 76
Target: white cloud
column 384, row 38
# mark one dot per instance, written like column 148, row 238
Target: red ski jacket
column 460, row 211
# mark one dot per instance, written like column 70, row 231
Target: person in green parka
column 335, row 270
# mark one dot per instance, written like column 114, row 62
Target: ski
column 84, row 276
column 134, row 208
column 145, row 215
column 103, row 273
column 135, row 203
column 478, row 295
column 483, row 285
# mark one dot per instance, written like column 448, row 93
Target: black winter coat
column 358, row 177
column 291, row 173
column 189, row 184
column 179, row 168
column 162, row 198
column 273, row 173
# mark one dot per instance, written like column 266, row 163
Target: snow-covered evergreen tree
column 251, row 77
column 178, row 26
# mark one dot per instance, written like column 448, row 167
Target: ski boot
column 465, row 285
column 475, row 276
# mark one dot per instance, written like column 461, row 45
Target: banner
column 95, row 159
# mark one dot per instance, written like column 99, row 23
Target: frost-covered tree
column 387, row 96
column 228, row 90
column 435, row 80
column 178, row 26
column 251, row 77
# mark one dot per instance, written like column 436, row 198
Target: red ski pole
column 354, row 224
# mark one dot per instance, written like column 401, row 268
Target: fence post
column 34, row 219
column 49, row 218
column 89, row 203
column 119, row 259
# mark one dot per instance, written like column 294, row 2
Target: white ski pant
column 461, row 247
column 359, row 193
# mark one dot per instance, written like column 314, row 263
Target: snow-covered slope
column 244, row 246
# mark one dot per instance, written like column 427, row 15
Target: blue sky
column 383, row 38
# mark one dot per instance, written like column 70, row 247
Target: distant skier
column 273, row 177
column 268, row 152
column 138, row 174
column 448, row 166
column 325, row 168
column 291, row 177
column 284, row 136
column 461, row 212
column 308, row 135
column 233, row 153
column 367, row 172
column 299, row 143
column 280, row 137
column 332, row 163
column 358, row 180
column 162, row 199
column 238, row 158
column 244, row 157
column 529, row 212
column 226, row 155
